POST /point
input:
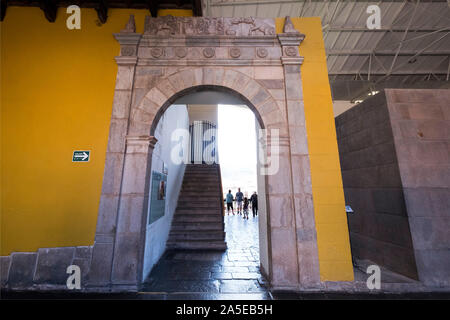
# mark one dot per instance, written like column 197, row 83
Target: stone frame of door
column 175, row 56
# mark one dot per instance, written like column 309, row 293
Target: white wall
column 262, row 212
column 176, row 116
column 198, row 112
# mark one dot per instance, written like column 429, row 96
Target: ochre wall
column 328, row 195
column 57, row 88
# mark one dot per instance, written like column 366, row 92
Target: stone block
column 269, row 73
column 393, row 229
column 133, row 179
column 21, row 271
column 52, row 264
column 121, row 104
column 166, row 88
column 308, row 261
column 5, row 262
column 284, row 257
column 296, row 113
column 389, row 201
column 130, row 214
column 117, row 133
column 399, row 259
column 113, row 173
column 127, row 251
column 433, row 267
column 124, row 78
column 283, row 216
column 83, row 252
column 260, row 96
column 157, row 97
column 107, row 213
column 430, row 233
column 100, row 270
column 420, row 175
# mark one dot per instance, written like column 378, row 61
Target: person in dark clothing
column 245, row 208
column 254, row 201
column 229, row 199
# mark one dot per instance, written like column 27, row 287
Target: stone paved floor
column 217, row 274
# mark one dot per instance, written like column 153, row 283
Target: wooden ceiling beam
column 49, row 8
column 3, row 5
column 102, row 11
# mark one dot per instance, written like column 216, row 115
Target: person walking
column 246, row 208
column 254, row 201
column 239, row 198
column 229, row 199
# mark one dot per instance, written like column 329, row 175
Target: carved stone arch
column 148, row 83
column 159, row 98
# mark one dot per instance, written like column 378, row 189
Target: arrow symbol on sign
column 84, row 156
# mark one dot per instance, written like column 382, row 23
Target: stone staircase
column 198, row 220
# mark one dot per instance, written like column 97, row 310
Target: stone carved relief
column 262, row 52
column 180, row 52
column 235, row 52
column 169, row 25
column 157, row 52
column 209, row 52
column 291, row 51
column 127, row 51
column 255, row 27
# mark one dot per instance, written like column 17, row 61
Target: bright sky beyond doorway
column 237, row 148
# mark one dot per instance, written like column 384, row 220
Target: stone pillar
column 304, row 222
column 101, row 265
column 132, row 215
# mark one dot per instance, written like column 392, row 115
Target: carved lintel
column 126, row 60
column 128, row 39
column 292, row 60
column 130, row 27
column 290, row 39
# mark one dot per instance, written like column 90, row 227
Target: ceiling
column 411, row 49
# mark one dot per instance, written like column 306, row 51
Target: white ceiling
column 412, row 48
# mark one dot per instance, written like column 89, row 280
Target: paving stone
column 22, row 269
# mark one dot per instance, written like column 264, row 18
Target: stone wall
column 421, row 127
column 175, row 117
column 46, row 268
column 379, row 228
column 395, row 158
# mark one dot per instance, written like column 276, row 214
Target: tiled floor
column 216, row 274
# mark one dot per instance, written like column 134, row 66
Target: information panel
column 158, row 196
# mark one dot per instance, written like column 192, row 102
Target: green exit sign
column 81, row 156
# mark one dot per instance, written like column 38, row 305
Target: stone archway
column 172, row 57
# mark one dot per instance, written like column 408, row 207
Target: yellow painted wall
column 57, row 88
column 328, row 194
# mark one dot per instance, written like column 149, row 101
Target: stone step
column 197, row 218
column 197, row 226
column 192, row 235
column 196, row 198
column 199, row 204
column 197, row 210
column 197, row 245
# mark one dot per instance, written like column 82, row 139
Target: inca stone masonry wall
column 395, row 158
